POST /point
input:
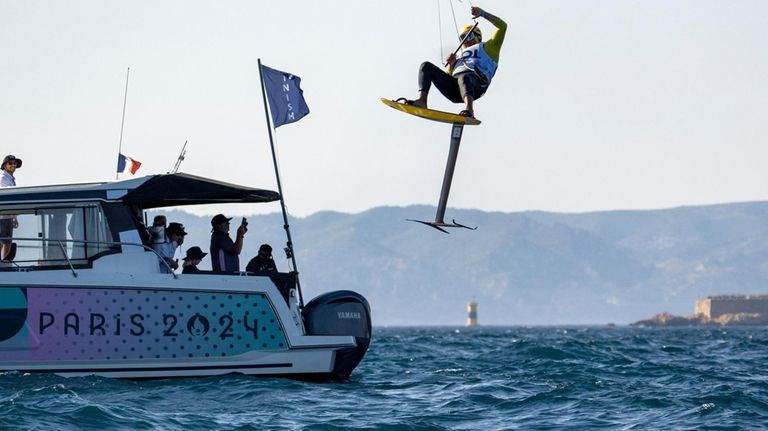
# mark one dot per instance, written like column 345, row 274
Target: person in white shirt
column 157, row 230
column 175, row 235
column 8, row 222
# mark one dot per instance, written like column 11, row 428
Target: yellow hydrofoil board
column 431, row 114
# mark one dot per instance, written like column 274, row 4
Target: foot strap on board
column 404, row 101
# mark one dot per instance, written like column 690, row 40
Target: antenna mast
column 180, row 159
column 122, row 122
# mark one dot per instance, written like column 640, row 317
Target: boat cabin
column 70, row 226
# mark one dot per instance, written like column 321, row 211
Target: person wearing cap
column 194, row 256
column 8, row 222
column 10, row 164
column 468, row 75
column 175, row 237
column 263, row 261
column 225, row 253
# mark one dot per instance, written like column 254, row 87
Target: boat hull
column 189, row 326
column 84, row 291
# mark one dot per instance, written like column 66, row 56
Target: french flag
column 125, row 162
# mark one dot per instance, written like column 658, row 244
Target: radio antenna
column 180, row 159
column 122, row 121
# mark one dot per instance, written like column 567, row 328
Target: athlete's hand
column 476, row 12
column 451, row 60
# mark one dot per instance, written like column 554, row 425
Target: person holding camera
column 225, row 253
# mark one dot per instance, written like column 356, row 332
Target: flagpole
column 289, row 245
column 122, row 122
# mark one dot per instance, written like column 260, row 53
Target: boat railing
column 284, row 281
column 61, row 245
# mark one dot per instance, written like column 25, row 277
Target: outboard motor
column 342, row 312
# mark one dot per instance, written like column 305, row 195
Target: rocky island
column 720, row 310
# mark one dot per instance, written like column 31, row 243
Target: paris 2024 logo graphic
column 198, row 325
column 13, row 312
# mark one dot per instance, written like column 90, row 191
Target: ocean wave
column 443, row 378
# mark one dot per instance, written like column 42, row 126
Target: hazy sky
column 605, row 104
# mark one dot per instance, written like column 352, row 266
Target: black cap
column 219, row 219
column 10, row 158
column 195, row 253
column 265, row 247
column 175, row 228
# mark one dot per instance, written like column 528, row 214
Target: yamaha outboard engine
column 342, row 312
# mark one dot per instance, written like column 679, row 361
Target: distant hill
column 529, row 268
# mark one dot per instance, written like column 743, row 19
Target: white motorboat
column 83, row 293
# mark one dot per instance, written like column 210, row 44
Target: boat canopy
column 152, row 191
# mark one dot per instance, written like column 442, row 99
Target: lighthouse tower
column 472, row 313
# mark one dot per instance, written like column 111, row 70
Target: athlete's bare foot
column 421, row 101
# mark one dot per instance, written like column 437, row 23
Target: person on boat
column 8, row 222
column 468, row 75
column 157, row 230
column 175, row 234
column 194, row 256
column 225, row 253
column 263, row 261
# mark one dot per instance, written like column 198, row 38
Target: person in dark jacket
column 194, row 256
column 263, row 261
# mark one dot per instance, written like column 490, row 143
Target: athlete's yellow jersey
column 482, row 58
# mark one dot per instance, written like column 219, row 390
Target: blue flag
column 286, row 99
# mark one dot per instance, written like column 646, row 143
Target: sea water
column 445, row 378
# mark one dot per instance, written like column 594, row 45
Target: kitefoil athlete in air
column 469, row 74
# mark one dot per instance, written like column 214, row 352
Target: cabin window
column 50, row 236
